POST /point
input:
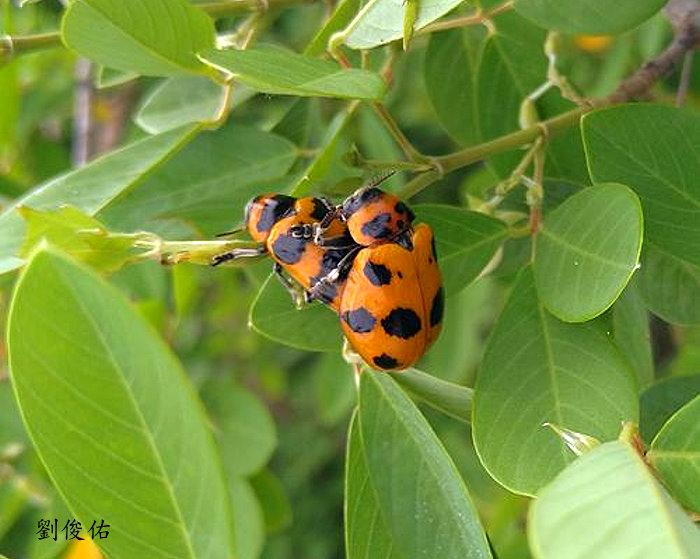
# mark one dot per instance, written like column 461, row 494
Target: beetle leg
column 295, row 292
column 237, row 253
column 341, row 270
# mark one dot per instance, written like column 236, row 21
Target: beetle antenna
column 231, row 233
column 379, row 179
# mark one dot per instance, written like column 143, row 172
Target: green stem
column 10, row 45
column 462, row 158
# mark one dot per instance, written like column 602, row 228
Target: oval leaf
column 381, row 21
column 113, row 416
column 675, row 453
column 273, row 69
column 608, row 505
column 588, row 16
column 538, row 369
column 315, row 327
column 243, row 426
column 653, row 149
column 91, row 187
column 632, row 334
column 422, row 498
column 155, row 38
column 466, row 241
column 587, row 250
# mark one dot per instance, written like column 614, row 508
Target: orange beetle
column 269, row 219
column 392, row 305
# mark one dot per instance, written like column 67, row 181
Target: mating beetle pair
column 364, row 259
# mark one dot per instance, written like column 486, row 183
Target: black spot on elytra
column 385, row 361
column 360, row 320
column 288, row 249
column 398, row 273
column 403, row 209
column 377, row 274
column 402, row 323
column 321, row 208
column 405, row 241
column 378, row 227
column 276, row 208
column 361, row 197
column 437, row 308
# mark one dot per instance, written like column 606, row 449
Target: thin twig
column 686, row 73
column 478, row 18
column 82, row 108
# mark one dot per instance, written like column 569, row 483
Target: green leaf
column 669, row 286
column 588, row 16
column 184, row 99
column 587, row 250
column 381, row 21
column 513, row 64
column 608, row 505
column 449, row 76
column 466, row 241
column 179, row 100
column 366, row 533
column 538, row 369
column 653, row 149
column 662, row 399
column 675, row 453
column 242, row 424
column 208, row 183
column 273, row 69
column 90, row 188
column 154, row 38
column 113, row 416
column 77, row 234
column 423, row 500
column 632, row 335
column 277, row 511
column 248, row 519
column 314, row 327
column 344, row 12
column 449, row 398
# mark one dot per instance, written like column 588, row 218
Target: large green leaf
column 588, row 16
column 669, row 285
column 314, row 327
column 447, row 397
column 248, row 519
column 184, row 99
column 209, row 182
column 632, row 334
column 423, row 500
column 675, row 453
column 156, row 38
column 335, row 389
column 113, row 416
column 273, row 69
column 608, row 505
column 366, row 532
column 91, row 187
column 242, row 425
column 381, row 21
column 448, row 72
column 662, row 399
column 538, row 369
column 654, row 150
column 587, row 250
column 466, row 241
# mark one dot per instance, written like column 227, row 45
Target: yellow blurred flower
column 593, row 43
column 83, row 549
